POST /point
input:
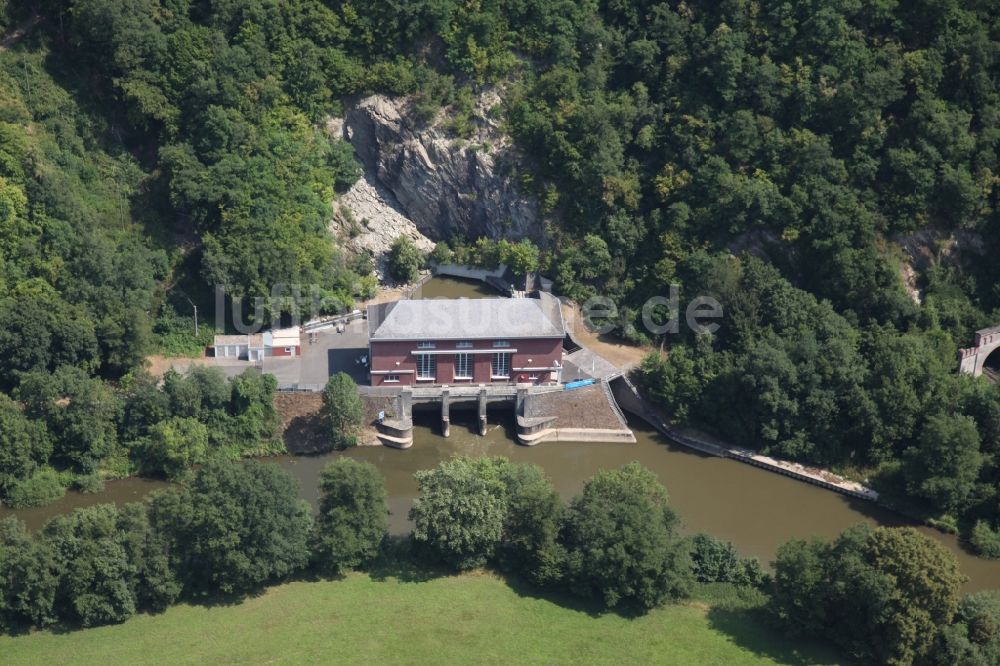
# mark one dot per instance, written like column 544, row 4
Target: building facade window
column 391, row 379
column 501, row 365
column 501, row 343
column 463, row 366
column 463, row 344
column 425, row 345
column 426, row 366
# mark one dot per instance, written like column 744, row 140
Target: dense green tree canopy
column 28, row 579
column 944, row 468
column 342, row 410
column 621, row 540
column 176, row 444
column 110, row 564
column 974, row 638
column 460, row 512
column 883, row 594
column 235, row 528
column 24, row 445
column 353, row 515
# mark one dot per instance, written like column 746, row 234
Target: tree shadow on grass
column 399, row 560
column 222, row 599
column 567, row 600
column 752, row 629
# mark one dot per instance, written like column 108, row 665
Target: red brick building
column 465, row 341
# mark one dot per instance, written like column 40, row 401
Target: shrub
column 441, row 254
column 176, row 444
column 43, row 487
column 716, row 561
column 89, row 483
column 405, row 260
column 985, row 540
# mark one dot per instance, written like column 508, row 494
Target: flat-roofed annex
column 466, row 319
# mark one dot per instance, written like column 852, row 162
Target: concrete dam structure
column 543, row 413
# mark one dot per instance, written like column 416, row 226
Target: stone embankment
column 630, row 399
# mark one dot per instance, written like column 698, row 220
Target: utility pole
column 195, row 315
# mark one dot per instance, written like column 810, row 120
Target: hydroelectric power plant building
column 480, row 341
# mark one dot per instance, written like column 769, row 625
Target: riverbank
column 754, row 509
column 631, row 399
column 409, row 616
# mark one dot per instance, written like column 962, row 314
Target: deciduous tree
column 621, row 539
column 353, row 515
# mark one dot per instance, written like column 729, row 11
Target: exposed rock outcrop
column 422, row 181
column 370, row 220
column 922, row 249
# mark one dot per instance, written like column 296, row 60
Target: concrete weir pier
column 483, row 399
column 544, row 413
column 446, row 413
column 397, row 430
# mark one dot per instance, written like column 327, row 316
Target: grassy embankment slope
column 468, row 618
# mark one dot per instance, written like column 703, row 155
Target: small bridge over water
column 972, row 360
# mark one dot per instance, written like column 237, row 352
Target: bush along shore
column 234, row 528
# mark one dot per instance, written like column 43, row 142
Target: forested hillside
column 770, row 154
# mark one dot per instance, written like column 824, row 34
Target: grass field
column 453, row 619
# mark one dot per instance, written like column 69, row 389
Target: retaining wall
column 577, row 435
column 630, row 399
column 470, row 272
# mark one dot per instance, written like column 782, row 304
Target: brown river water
column 755, row 509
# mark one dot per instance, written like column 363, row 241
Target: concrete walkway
column 629, row 397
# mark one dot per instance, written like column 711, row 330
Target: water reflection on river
column 754, row 509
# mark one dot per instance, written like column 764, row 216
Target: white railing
column 606, row 387
column 319, row 324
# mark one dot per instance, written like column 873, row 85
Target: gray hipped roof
column 466, row 319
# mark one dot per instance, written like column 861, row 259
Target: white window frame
column 426, row 367
column 426, row 345
column 500, row 361
column 391, row 379
column 467, row 358
column 501, row 343
column 463, row 344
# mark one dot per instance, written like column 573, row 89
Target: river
column 755, row 509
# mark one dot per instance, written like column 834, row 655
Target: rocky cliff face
column 441, row 185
